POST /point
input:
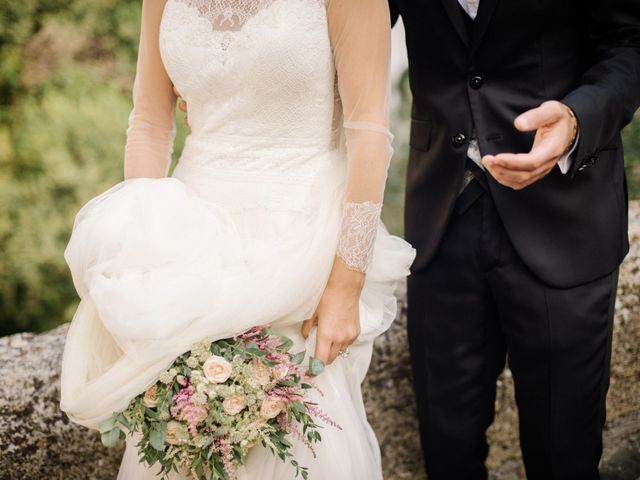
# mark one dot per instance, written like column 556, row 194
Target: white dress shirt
column 471, row 7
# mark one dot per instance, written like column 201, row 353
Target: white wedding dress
column 284, row 170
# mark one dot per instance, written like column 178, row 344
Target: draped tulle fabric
column 289, row 125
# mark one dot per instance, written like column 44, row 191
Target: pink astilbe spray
column 322, row 415
column 252, row 334
column 187, row 411
column 308, row 380
column 286, row 394
column 292, row 429
column 222, row 446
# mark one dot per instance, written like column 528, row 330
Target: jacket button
column 476, row 82
column 458, row 139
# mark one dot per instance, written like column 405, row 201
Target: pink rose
column 271, row 407
column 150, row 399
column 260, row 372
column 234, row 404
column 217, row 369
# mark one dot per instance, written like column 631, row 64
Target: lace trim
column 228, row 15
column 358, row 234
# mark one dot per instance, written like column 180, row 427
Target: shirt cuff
column 565, row 161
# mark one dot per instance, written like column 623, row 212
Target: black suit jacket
column 568, row 229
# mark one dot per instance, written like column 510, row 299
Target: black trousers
column 476, row 304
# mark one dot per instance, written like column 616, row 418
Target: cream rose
column 217, row 369
column 176, row 433
column 260, row 372
column 271, row 407
column 234, row 404
column 150, row 399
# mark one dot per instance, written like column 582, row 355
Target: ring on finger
column 344, row 353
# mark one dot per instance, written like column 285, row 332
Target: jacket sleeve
column 393, row 10
column 609, row 92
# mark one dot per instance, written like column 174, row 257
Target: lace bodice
column 251, row 79
column 266, row 75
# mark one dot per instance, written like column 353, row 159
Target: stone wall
column 38, row 441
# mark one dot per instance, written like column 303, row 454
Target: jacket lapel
column 453, row 10
column 482, row 21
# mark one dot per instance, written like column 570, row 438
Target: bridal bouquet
column 217, row 401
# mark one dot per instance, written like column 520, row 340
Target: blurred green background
column 66, row 70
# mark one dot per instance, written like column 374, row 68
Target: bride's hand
column 338, row 314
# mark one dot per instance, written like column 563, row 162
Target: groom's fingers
column 518, row 180
column 548, row 112
column 542, row 157
column 518, row 171
column 546, row 151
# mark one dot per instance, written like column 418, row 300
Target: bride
column 272, row 215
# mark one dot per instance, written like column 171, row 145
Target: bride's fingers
column 323, row 349
column 335, row 352
column 307, row 325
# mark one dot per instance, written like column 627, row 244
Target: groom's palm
column 555, row 130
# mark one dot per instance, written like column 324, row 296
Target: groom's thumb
column 545, row 114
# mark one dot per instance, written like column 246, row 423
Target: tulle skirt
column 212, row 252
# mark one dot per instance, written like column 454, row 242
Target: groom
column 520, row 229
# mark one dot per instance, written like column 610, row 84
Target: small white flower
column 167, row 377
column 192, row 362
column 199, row 398
column 197, row 379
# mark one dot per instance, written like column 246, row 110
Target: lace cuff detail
column 358, row 234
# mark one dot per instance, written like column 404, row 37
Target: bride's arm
column 151, row 124
column 360, row 33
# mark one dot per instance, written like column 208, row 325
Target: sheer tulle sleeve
column 361, row 38
column 152, row 121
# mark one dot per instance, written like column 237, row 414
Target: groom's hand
column 556, row 129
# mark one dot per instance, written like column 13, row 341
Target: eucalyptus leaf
column 316, row 366
column 257, row 352
column 298, row 358
column 110, row 438
column 157, row 435
column 123, row 420
column 286, row 343
column 108, row 424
